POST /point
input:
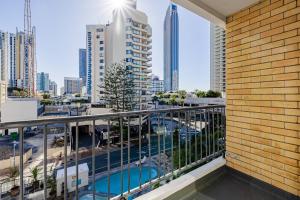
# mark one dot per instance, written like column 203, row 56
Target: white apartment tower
column 217, row 59
column 95, row 41
column 127, row 38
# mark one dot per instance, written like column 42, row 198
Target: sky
column 60, row 27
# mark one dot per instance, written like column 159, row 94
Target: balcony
column 126, row 152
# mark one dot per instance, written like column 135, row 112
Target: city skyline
column 69, row 32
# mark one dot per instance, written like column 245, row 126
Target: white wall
column 19, row 110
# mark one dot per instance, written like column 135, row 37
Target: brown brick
column 294, row 11
column 284, row 49
column 272, row 6
column 260, row 18
column 283, row 63
column 284, row 21
column 283, row 8
column 292, row 26
column 271, row 19
column 272, row 45
column 290, row 76
column 284, row 35
column 292, row 40
column 272, row 32
column 290, row 69
column 294, row 54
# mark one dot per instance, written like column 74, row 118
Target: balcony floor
column 228, row 184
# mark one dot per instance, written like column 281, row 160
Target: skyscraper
column 82, row 65
column 72, row 85
column 52, row 88
column 171, row 49
column 95, row 41
column 43, row 82
column 127, row 38
column 18, row 64
column 217, row 59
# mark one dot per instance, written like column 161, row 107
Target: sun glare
column 118, row 4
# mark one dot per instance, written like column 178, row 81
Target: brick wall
column 263, row 85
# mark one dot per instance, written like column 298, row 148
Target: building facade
column 96, row 43
column 217, row 59
column 127, row 38
column 43, row 82
column 18, row 61
column 157, row 85
column 171, row 50
column 53, row 88
column 82, row 65
column 72, row 85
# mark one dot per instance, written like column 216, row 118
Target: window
column 101, row 61
column 101, row 67
column 101, row 42
column 101, row 48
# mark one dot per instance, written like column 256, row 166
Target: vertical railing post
column 66, row 161
column 213, row 130
column 45, row 161
column 190, row 136
column 196, row 138
column 129, row 160
column 158, row 141
column 164, row 145
column 149, row 146
column 94, row 159
column 186, row 138
column 121, row 127
column 140, row 151
column 21, row 153
column 201, row 135
column 206, row 134
column 76, row 159
column 172, row 143
column 179, row 142
column 108, row 159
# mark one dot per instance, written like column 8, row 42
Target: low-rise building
column 157, row 85
column 72, row 85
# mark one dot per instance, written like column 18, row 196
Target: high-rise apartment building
column 43, row 82
column 157, row 85
column 53, row 88
column 96, row 43
column 217, row 59
column 171, row 49
column 72, row 85
column 82, row 65
column 18, row 62
column 127, row 38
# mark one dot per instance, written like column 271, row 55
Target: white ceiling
column 215, row 10
column 226, row 7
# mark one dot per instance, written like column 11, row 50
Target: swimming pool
column 115, row 181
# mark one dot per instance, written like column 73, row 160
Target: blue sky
column 61, row 32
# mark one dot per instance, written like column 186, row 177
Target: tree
column 16, row 93
column 118, row 87
column 46, row 96
column 34, row 174
column 155, row 99
column 182, row 94
column 200, row 94
column 213, row 94
column 13, row 174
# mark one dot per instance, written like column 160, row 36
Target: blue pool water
column 115, row 181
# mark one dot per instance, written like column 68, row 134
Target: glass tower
column 171, row 48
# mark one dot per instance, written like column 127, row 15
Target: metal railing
column 163, row 142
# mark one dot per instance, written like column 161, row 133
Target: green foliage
column 13, row 174
column 118, row 87
column 46, row 102
column 213, row 94
column 200, row 94
column 77, row 95
column 46, row 96
column 182, row 94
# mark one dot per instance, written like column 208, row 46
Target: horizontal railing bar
column 62, row 120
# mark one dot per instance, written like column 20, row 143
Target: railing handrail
column 59, row 120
